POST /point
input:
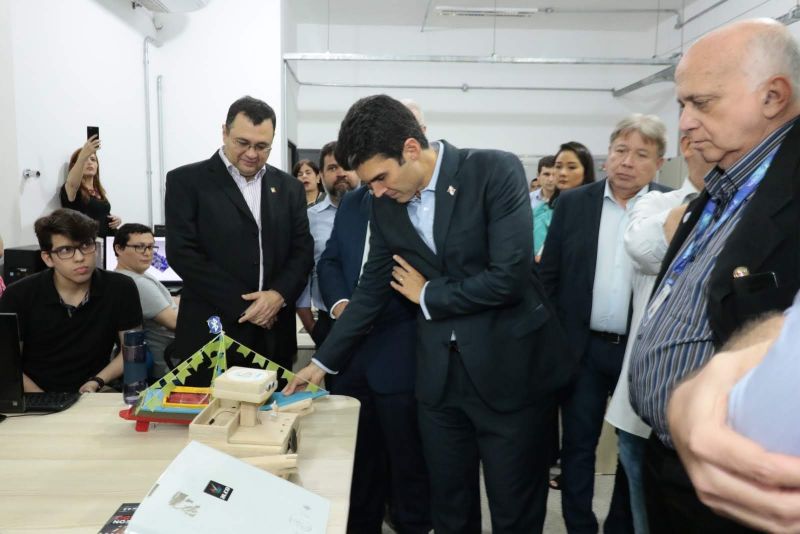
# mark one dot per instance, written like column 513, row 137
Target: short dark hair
column 329, row 148
column 376, row 125
column 124, row 232
column 546, row 161
column 70, row 223
column 254, row 109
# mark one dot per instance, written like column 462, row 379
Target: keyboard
column 50, row 401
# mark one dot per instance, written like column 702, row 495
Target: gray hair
column 415, row 109
column 648, row 126
column 774, row 51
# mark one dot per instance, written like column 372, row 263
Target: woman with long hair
column 574, row 167
column 83, row 191
column 307, row 172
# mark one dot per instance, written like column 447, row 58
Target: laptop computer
column 12, row 398
column 160, row 268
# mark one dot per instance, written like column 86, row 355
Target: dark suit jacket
column 570, row 256
column 212, row 243
column 386, row 355
column 481, row 285
column 766, row 240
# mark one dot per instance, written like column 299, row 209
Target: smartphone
column 92, row 130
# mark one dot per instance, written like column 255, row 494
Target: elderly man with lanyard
column 734, row 257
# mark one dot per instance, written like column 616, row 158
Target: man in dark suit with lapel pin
column 587, row 273
column 451, row 231
column 237, row 234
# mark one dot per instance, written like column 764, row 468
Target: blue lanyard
column 703, row 234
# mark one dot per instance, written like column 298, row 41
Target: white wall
column 10, row 181
column 670, row 39
column 226, row 50
column 67, row 64
column 524, row 122
column 75, row 63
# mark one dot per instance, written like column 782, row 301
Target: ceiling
column 424, row 12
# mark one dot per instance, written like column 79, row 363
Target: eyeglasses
column 258, row 147
column 65, row 253
column 142, row 248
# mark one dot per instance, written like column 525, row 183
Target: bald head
column 417, row 111
column 757, row 49
column 736, row 85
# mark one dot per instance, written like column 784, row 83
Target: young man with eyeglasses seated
column 71, row 314
column 134, row 246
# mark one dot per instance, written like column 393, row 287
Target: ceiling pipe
column 696, row 16
column 529, row 12
column 148, row 151
column 515, row 60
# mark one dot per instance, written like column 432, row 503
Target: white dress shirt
column 251, row 191
column 646, row 246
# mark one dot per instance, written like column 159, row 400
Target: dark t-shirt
column 60, row 352
column 95, row 208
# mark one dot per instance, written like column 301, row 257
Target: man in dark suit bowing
column 587, row 274
column 388, row 459
column 237, row 234
column 451, row 231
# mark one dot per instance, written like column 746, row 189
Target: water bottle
column 134, row 355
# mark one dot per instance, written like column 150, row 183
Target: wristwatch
column 100, row 382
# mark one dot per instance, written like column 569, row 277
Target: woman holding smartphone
column 83, row 191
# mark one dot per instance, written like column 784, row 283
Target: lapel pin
column 451, row 190
column 741, row 272
column 273, row 189
column 686, row 217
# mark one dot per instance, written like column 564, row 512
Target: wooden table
column 68, row 472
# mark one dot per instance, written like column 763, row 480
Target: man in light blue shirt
column 740, row 415
column 588, row 274
column 336, row 182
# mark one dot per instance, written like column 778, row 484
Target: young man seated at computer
column 71, row 314
column 134, row 247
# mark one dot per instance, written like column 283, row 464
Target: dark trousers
column 582, row 411
column 321, row 328
column 389, row 465
column 279, row 345
column 459, row 433
column 672, row 504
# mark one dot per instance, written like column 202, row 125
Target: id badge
column 659, row 299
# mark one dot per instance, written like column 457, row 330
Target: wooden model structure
column 156, row 404
column 234, row 423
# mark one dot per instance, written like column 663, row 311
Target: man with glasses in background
column 134, row 246
column 71, row 314
column 237, row 234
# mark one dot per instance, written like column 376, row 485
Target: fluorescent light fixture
column 514, row 12
column 523, row 12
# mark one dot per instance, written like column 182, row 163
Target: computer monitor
column 160, row 268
